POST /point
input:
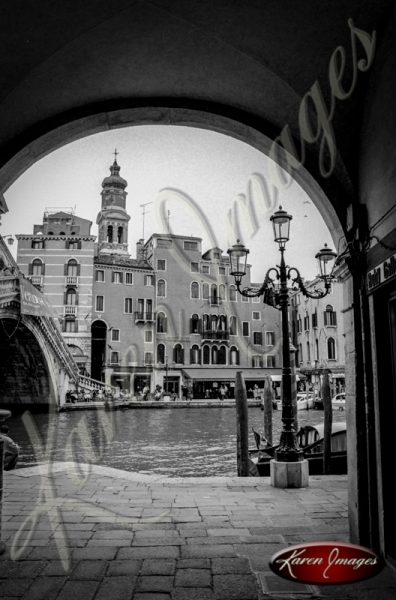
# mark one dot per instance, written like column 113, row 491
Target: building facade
column 171, row 316
column 318, row 335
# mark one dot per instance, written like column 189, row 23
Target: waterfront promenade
column 129, row 536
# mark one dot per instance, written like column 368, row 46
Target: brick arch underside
column 24, row 374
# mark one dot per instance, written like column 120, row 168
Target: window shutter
column 64, row 325
column 112, row 277
column 64, row 298
column 42, row 268
column 191, row 326
column 191, row 356
column 76, row 326
column 79, row 244
column 31, row 269
column 121, row 277
column 78, row 269
column 76, row 297
column 334, row 318
column 182, row 356
column 65, row 270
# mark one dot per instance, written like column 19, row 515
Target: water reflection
column 173, row 442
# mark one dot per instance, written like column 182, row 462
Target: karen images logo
column 326, row 563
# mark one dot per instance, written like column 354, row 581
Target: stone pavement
column 108, row 534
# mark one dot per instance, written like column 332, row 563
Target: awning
column 279, row 377
column 338, row 375
column 228, row 374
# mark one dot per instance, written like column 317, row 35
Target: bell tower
column 112, row 220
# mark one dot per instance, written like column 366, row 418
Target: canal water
column 181, row 442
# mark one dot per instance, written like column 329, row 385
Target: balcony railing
column 71, row 280
column 208, row 334
column 37, row 280
column 144, row 317
column 70, row 309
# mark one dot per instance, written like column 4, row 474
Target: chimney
column 140, row 254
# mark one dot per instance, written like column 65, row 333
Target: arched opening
column 98, row 348
column 24, row 373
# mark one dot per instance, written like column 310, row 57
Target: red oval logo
column 326, row 563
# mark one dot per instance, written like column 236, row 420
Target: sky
column 192, row 177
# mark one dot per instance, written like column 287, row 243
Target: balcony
column 36, row 280
column 71, row 280
column 219, row 335
column 70, row 310
column 144, row 317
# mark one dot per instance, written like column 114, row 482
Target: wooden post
column 328, row 423
column 242, row 426
column 267, row 403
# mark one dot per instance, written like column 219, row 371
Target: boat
column 310, row 440
column 305, row 401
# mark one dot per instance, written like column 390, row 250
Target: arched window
column 222, row 326
column 195, row 324
column 72, row 268
column 234, row 356
column 330, row 316
column 178, row 354
column 37, row 267
column 120, row 235
column 222, row 291
column 110, row 234
column 232, row 293
column 308, row 352
column 161, row 288
column 161, row 354
column 194, row 289
column 206, row 322
column 205, row 291
column 195, row 355
column 222, row 356
column 162, row 324
column 215, row 354
column 214, row 299
column 317, row 349
column 233, row 326
column 300, row 356
column 71, row 297
column 206, row 355
column 213, row 322
column 331, row 350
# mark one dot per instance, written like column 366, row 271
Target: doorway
column 98, row 349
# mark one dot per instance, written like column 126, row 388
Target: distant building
column 171, row 316
column 318, row 334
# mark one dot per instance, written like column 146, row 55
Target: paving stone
column 14, row 587
column 206, row 551
column 272, row 583
column 232, row 531
column 192, row 594
column 151, row 596
column 44, row 588
column 173, row 540
column 124, row 567
column 152, row 566
column 212, row 540
column 194, row 563
column 55, row 568
column 93, row 553
column 89, row 569
column 222, row 566
column 113, row 534
column 77, row 589
column 24, row 569
column 116, row 588
column 193, row 532
column 149, row 552
column 193, row 578
column 235, row 587
column 155, row 583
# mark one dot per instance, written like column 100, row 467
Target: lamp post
column 277, row 295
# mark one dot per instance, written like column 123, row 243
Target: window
column 245, row 328
column 330, row 316
column 195, row 355
column 205, row 291
column 195, row 324
column 315, row 318
column 190, row 245
column 99, row 275
column 161, row 264
column 115, row 358
column 161, row 288
column 306, row 322
column 149, row 308
column 164, row 243
column 73, row 245
column 299, row 325
column 115, row 335
column 148, row 280
column 116, row 277
column 233, row 296
column 257, row 360
column 128, row 305
column 161, row 354
column 270, row 361
column 245, row 299
column 257, row 338
column 37, row 267
column 331, row 353
column 205, row 269
column 38, row 244
column 120, row 235
column 140, row 307
column 256, row 299
column 194, row 289
column 215, row 353
column 99, row 303
column 206, row 355
column 308, row 352
column 222, row 292
column 194, row 267
column 269, row 338
column 233, row 326
column 300, row 354
column 110, row 234
column 162, row 325
column 70, row 326
column 317, row 349
column 234, row 356
column 178, row 354
column 222, row 356
column 222, row 323
column 214, row 298
column 129, row 278
column 148, row 336
column 148, row 358
column 71, row 297
column 222, row 270
column 256, row 315
column 72, row 268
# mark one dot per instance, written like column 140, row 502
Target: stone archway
column 98, row 348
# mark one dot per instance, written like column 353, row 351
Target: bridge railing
column 93, row 385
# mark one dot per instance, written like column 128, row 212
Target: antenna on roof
column 144, row 213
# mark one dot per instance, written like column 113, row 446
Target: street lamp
column 277, row 294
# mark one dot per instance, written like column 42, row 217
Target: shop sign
column 383, row 273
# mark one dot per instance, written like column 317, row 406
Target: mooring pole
column 242, row 424
column 328, row 422
column 268, row 399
